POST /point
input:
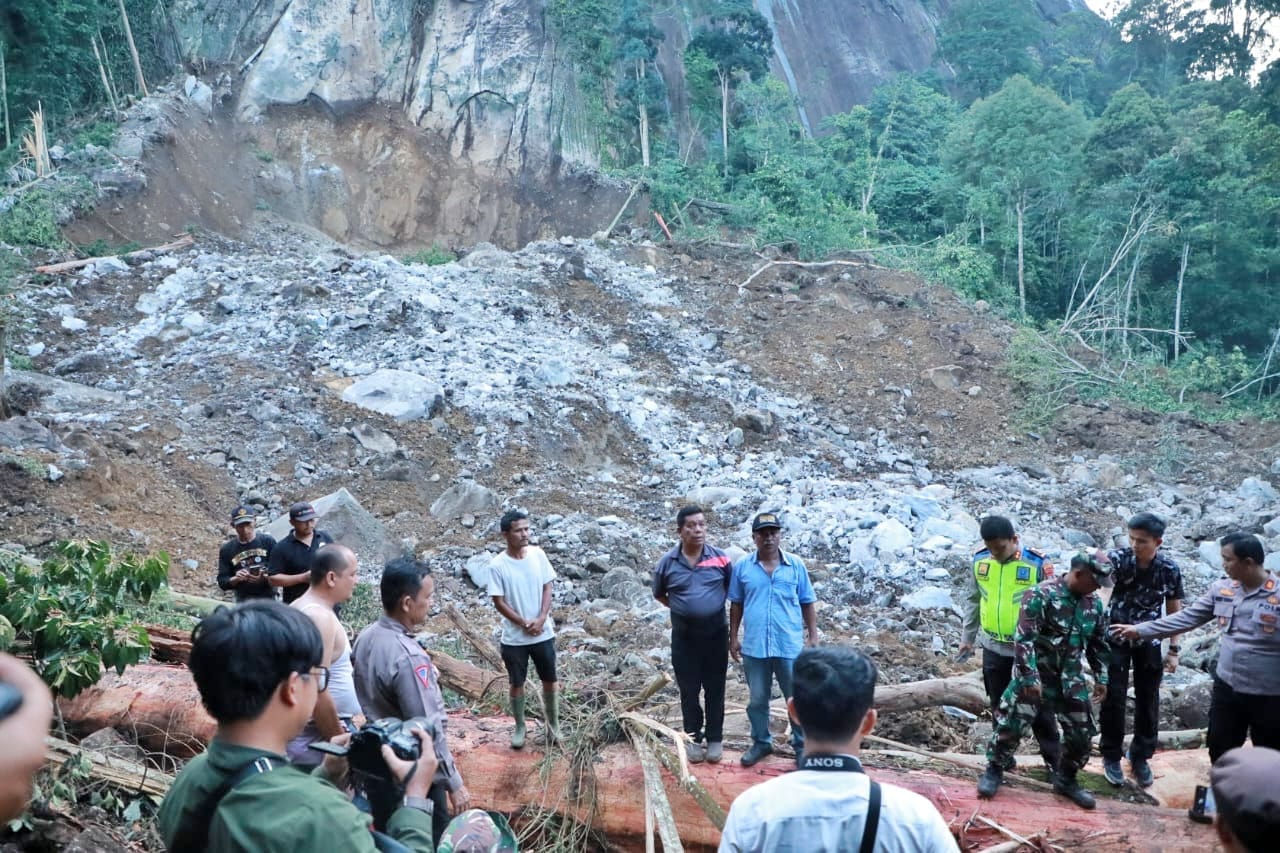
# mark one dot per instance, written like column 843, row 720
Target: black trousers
column 1147, row 663
column 1233, row 716
column 700, row 657
column 438, row 794
column 997, row 672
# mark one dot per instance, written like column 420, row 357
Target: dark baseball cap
column 243, row 515
column 766, row 520
column 1247, row 796
column 1097, row 562
column 302, row 511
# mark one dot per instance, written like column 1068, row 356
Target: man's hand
column 1099, row 691
column 335, row 766
column 1124, row 632
column 811, row 638
column 415, row 776
column 240, row 577
column 534, row 627
column 1031, row 692
column 459, row 800
column 735, row 649
column 1171, row 662
column 23, row 735
column 964, row 649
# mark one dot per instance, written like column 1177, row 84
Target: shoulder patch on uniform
column 1270, row 584
column 1036, row 552
column 983, row 569
column 981, row 552
column 1024, row 573
column 1228, row 590
column 423, row 671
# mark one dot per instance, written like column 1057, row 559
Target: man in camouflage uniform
column 478, row 831
column 1062, row 622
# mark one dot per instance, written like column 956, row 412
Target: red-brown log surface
column 160, row 704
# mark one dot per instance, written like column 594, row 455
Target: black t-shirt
column 1139, row 594
column 291, row 557
column 253, row 555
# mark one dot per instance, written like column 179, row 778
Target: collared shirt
column 821, row 812
column 1140, row 594
column 1028, row 558
column 695, row 591
column 281, row 811
column 1057, row 629
column 291, row 557
column 1249, row 653
column 772, row 621
column 396, row 678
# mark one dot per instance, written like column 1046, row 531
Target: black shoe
column 1142, row 772
column 990, row 782
column 1114, row 773
column 1070, row 788
column 755, row 753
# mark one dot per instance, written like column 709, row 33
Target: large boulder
column 400, row 394
column 343, row 518
column 1191, row 706
column 466, row 497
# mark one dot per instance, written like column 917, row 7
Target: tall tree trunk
column 644, row 115
column 106, row 81
column 1177, row 302
column 4, row 98
column 724, row 119
column 1022, row 281
column 133, row 50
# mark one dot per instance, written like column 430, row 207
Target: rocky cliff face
column 485, row 77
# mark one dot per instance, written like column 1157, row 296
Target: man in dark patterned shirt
column 1146, row 580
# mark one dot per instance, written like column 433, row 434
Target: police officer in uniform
column 1246, row 684
column 1062, row 623
column 1003, row 572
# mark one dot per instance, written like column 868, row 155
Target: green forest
column 1114, row 186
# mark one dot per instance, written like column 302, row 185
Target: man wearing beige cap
column 290, row 566
column 1246, row 789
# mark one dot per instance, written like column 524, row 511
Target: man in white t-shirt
column 829, row 805
column 520, row 584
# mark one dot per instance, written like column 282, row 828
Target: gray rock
column 1253, row 488
column 717, row 497
column 754, row 420
column 946, row 377
column 554, row 373
column 891, row 536
column 397, row 393
column 921, row 507
column 477, row 569
column 343, row 518
column 1211, row 552
column 1079, row 538
column 1272, row 527
column 128, row 147
column 198, row 93
column 372, row 438
column 1272, row 561
column 1191, row 706
column 735, row 438
column 931, row 598
column 22, row 433
column 465, row 497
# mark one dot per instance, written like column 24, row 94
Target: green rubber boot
column 551, row 698
column 517, row 711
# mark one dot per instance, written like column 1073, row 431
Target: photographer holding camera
column 242, row 561
column 395, row 676
column 258, row 670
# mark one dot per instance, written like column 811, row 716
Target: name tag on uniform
column 1024, row 573
column 983, row 570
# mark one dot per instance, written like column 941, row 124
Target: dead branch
column 658, row 682
column 70, row 266
column 477, row 641
column 976, row 764
column 126, row 775
column 806, row 265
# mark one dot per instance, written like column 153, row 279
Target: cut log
column 961, row 691
column 168, row 644
column 160, row 705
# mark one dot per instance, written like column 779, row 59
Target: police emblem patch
column 1024, row 573
column 423, row 671
column 983, row 570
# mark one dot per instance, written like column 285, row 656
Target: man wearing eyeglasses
column 334, row 573
column 771, row 599
column 258, row 671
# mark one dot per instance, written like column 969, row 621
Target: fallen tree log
column 961, row 691
column 126, row 775
column 159, row 704
column 71, row 266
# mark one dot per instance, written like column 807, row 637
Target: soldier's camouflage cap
column 1097, row 562
column 478, row 831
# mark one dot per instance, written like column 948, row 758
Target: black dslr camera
column 369, row 771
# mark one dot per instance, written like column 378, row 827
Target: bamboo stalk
column 655, row 790
column 133, row 49
column 37, row 144
column 102, row 72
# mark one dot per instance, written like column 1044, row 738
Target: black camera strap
column 194, row 834
column 849, row 764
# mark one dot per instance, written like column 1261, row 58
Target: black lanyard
column 849, row 764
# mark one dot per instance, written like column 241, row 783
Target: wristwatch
column 422, row 804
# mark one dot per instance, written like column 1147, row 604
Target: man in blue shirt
column 770, row 593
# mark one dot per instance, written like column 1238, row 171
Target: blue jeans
column 760, row 673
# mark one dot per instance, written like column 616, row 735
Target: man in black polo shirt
column 242, row 561
column 693, row 579
column 290, row 566
column 1147, row 582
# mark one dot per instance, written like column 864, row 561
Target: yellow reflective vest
column 1001, row 587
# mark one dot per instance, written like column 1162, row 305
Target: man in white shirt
column 829, row 805
column 520, row 584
